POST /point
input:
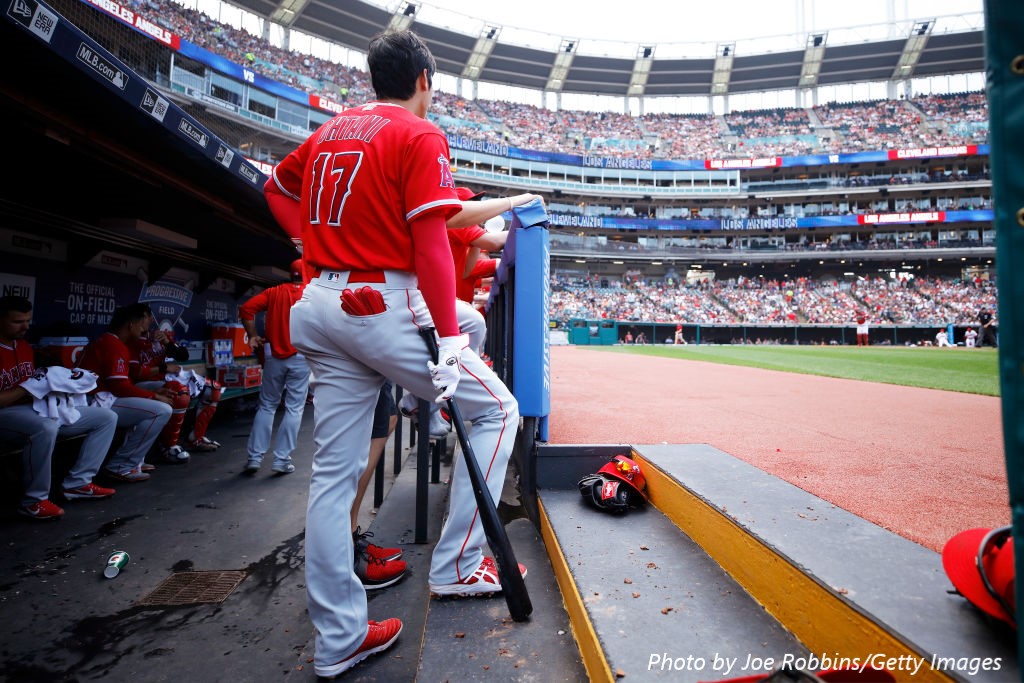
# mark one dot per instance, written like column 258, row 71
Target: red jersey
column 277, row 302
column 354, row 213
column 109, row 358
column 145, row 356
column 465, row 288
column 460, row 240
column 17, row 363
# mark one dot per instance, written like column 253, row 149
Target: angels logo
column 120, row 368
column 446, row 173
column 609, row 489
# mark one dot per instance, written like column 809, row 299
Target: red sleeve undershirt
column 435, row 270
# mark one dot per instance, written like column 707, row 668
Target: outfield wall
column 608, row 332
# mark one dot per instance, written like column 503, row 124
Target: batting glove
column 445, row 373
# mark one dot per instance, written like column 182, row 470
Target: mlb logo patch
column 334, row 277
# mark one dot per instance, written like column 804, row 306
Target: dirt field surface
column 922, row 463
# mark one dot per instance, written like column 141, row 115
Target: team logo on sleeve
column 446, row 173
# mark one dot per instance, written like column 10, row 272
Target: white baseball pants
column 350, row 357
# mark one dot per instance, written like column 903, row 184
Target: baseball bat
column 512, row 584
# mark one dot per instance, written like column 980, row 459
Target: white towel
column 60, row 406
column 189, row 378
column 61, row 379
column 58, row 392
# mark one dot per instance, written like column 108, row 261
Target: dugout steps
column 464, row 639
column 730, row 562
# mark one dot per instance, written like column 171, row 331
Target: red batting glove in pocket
column 362, row 302
column 372, row 300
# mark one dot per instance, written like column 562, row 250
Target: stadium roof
column 485, row 57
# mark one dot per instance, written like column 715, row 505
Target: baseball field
column 908, row 438
column 972, row 371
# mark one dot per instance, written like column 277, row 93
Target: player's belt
column 340, row 279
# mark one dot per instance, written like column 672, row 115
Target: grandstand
column 836, row 194
column 777, row 223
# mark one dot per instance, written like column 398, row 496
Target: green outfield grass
column 973, row 371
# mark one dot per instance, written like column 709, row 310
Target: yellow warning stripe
column 814, row 613
column 594, row 659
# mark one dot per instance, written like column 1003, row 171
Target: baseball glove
column 608, row 494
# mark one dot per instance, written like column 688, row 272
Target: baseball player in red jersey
column 19, row 422
column 285, row 372
column 149, row 370
column 369, row 193
column 467, row 238
column 142, row 412
column 862, row 329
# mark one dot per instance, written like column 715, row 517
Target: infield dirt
column 922, row 463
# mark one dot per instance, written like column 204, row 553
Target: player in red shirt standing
column 285, row 372
column 369, row 193
column 20, row 422
column 142, row 412
column 862, row 328
column 467, row 238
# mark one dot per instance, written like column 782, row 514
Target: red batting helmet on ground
column 980, row 564
column 626, row 470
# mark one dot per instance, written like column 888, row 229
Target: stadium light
column 912, row 49
column 813, row 56
column 641, row 70
column 287, row 11
column 403, row 18
column 725, row 52
column 485, row 43
column 563, row 60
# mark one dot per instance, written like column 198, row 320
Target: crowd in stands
column 907, row 301
column 723, row 246
column 302, row 71
column 921, row 121
column 865, row 126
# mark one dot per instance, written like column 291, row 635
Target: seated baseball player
column 149, row 369
column 55, row 412
column 143, row 413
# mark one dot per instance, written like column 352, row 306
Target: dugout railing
column 517, row 313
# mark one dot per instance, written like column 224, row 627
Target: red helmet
column 297, row 272
column 624, row 469
column 467, row 195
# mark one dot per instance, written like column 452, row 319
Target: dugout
column 593, row 332
column 182, row 226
